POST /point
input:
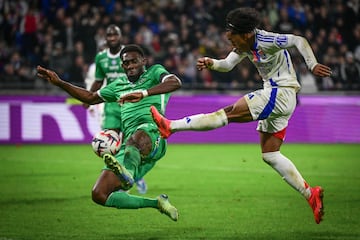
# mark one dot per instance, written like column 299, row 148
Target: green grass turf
column 221, row 191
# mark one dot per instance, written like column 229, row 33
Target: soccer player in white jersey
column 96, row 111
column 271, row 106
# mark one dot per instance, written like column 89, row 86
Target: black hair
column 132, row 48
column 113, row 27
column 242, row 20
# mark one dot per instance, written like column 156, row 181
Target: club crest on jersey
column 261, row 53
column 113, row 62
column 258, row 54
column 281, row 40
column 141, row 80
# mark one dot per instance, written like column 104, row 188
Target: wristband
column 145, row 93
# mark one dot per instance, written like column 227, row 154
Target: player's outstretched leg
column 165, row 207
column 162, row 123
column 125, row 177
column 316, row 203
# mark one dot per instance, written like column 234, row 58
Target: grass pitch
column 221, row 191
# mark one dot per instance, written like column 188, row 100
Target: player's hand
column 321, row 70
column 48, row 75
column 131, row 97
column 204, row 62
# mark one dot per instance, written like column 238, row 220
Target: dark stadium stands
column 174, row 33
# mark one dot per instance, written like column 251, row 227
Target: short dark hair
column 242, row 20
column 132, row 48
column 113, row 27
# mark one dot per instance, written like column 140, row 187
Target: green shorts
column 111, row 118
column 158, row 150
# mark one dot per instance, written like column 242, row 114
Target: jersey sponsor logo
column 116, row 67
column 281, row 40
column 115, row 75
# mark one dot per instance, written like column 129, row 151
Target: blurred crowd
column 65, row 35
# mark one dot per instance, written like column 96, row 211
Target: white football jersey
column 271, row 58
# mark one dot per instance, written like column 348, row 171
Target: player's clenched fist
column 204, row 62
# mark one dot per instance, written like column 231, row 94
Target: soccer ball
column 106, row 141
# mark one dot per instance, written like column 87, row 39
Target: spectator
column 28, row 28
column 350, row 72
column 77, row 72
column 60, row 60
column 21, row 72
column 189, row 27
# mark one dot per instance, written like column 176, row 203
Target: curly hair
column 242, row 20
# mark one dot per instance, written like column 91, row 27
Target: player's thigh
column 285, row 102
column 276, row 117
column 158, row 149
column 255, row 105
column 238, row 112
column 141, row 140
column 261, row 103
column 158, row 144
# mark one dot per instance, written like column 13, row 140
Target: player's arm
column 168, row 83
column 91, row 83
column 74, row 91
column 97, row 84
column 306, row 51
column 220, row 65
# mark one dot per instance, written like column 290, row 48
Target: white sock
column 288, row 172
column 200, row 122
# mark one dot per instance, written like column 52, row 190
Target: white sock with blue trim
column 200, row 122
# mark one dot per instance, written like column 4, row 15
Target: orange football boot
column 316, row 203
column 162, row 122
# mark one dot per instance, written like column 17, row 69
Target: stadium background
column 223, row 191
column 65, row 35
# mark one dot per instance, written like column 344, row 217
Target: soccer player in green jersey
column 142, row 145
column 107, row 70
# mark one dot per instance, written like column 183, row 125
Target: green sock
column 132, row 159
column 123, row 200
